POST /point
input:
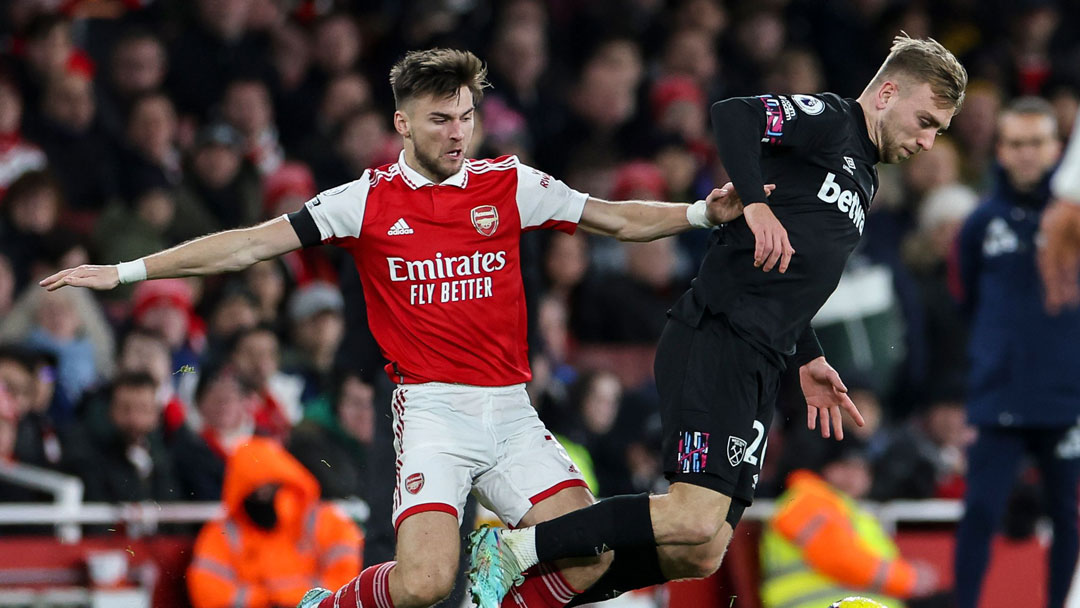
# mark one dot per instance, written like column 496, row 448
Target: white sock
column 523, row 545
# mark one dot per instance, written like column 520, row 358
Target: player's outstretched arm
column 648, row 221
column 212, row 254
column 826, row 398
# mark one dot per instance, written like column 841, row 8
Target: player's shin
column 621, row 522
column 544, row 587
column 631, row 569
column 370, row 589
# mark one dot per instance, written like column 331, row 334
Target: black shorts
column 717, row 395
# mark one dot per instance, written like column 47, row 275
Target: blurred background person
column 1022, row 394
column 277, row 538
column 128, row 460
column 821, row 544
column 333, row 439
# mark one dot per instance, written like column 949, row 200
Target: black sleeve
column 807, row 348
column 742, row 125
column 305, row 227
column 738, row 126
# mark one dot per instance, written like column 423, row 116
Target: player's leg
column 534, row 480
column 423, row 573
column 688, row 362
column 578, row 573
column 435, row 459
column 1058, row 455
column 993, row 462
column 554, row 585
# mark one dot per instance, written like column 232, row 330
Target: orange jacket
column 822, row 523
column 236, row 564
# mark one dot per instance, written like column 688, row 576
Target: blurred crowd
column 127, row 126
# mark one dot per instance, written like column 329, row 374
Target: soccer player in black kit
column 732, row 335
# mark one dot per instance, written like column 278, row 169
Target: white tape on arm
column 131, row 272
column 695, row 214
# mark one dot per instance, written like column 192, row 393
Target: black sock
column 622, row 522
column 630, row 569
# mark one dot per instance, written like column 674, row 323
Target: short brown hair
column 926, row 61
column 438, row 72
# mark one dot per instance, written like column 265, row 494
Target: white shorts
column 450, row 439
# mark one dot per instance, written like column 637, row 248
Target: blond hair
column 925, row 61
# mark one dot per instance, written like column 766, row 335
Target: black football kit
column 733, row 333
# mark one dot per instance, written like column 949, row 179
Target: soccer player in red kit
column 435, row 239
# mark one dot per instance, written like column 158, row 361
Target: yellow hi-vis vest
column 789, row 582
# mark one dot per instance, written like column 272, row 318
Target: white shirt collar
column 415, row 180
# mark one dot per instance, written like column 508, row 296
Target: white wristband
column 131, row 272
column 695, row 214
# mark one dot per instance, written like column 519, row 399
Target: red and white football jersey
column 440, row 263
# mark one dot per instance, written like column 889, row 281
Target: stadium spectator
column 17, row 155
column 293, row 83
column 337, row 45
column 223, row 419
column 166, row 308
column 248, row 109
column 31, row 211
column 150, row 156
column 334, row 439
column 69, row 133
column 220, row 189
column 234, row 310
column 127, row 460
column 212, row 52
column 927, row 252
column 48, row 51
column 344, row 96
column 276, row 540
column 131, row 229
column 255, row 355
column 927, row 457
column 316, row 313
column 519, row 61
column 137, row 65
column 364, row 141
column 266, row 281
column 73, row 329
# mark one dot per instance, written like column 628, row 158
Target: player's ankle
column 521, row 545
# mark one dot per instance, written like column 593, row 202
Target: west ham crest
column 736, row 450
column 485, row 219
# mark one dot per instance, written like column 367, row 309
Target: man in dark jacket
column 126, row 460
column 1023, row 390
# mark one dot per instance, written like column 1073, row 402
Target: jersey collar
column 416, row 180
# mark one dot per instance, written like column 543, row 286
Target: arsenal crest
column 485, row 219
column 414, row 483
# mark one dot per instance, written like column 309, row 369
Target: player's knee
column 428, row 584
column 700, row 531
column 701, row 524
column 699, row 562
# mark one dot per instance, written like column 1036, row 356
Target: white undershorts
column 450, row 439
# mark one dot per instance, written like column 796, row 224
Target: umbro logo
column 399, row 228
column 849, row 165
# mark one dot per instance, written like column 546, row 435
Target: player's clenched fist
column 87, row 275
column 771, row 242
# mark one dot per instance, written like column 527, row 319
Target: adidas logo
column 399, row 227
